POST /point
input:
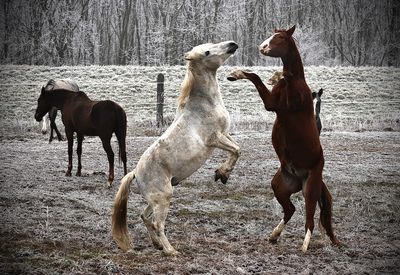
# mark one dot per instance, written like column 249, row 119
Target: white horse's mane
column 186, row 87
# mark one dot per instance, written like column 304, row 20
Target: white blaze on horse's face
column 211, row 55
column 265, row 46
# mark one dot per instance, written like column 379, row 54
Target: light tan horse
column 200, row 125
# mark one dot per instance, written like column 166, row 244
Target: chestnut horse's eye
column 207, row 53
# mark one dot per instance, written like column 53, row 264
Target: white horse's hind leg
column 155, row 214
column 160, row 215
column 147, row 217
column 225, row 142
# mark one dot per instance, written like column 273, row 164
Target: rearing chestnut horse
column 294, row 136
column 87, row 118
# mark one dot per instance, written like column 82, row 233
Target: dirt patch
column 56, row 224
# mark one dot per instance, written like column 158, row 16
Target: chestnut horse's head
column 278, row 44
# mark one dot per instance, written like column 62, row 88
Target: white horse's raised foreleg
column 225, row 142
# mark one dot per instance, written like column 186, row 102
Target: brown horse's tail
column 325, row 204
column 119, row 223
column 120, row 132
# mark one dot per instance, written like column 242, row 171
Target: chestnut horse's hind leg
column 110, row 156
column 312, row 194
column 79, row 138
column 284, row 185
column 325, row 204
column 225, row 142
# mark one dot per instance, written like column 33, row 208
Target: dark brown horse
column 294, row 136
column 87, row 118
column 66, row 84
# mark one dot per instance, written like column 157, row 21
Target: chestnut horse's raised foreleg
column 79, row 138
column 284, row 185
column 267, row 97
column 225, row 142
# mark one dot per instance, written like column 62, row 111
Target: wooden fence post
column 160, row 100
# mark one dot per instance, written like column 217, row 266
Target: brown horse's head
column 278, row 44
column 43, row 106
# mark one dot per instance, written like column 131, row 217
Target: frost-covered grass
column 354, row 99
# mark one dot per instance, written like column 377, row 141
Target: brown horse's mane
column 186, row 87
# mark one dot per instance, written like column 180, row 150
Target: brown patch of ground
column 56, row 224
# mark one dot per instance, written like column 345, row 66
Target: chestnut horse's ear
column 43, row 90
column 320, row 92
column 291, row 30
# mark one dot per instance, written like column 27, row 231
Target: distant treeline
column 151, row 32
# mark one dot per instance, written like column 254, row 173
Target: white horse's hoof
column 172, row 252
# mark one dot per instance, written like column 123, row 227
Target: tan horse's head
column 202, row 58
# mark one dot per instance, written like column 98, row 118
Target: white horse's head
column 210, row 55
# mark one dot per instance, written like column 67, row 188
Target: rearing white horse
column 200, row 125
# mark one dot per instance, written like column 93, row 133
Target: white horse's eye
column 207, row 53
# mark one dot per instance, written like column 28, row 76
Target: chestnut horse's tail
column 325, row 204
column 119, row 223
column 120, row 132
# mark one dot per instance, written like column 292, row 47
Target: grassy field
column 52, row 224
column 355, row 99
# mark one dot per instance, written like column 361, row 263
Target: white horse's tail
column 119, row 223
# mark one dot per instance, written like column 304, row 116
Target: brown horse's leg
column 267, row 97
column 70, row 137
column 79, row 152
column 59, row 135
column 51, row 134
column 284, row 185
column 325, row 203
column 311, row 193
column 110, row 156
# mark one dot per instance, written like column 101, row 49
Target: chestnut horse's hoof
column 235, row 75
column 68, row 173
column 221, row 176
